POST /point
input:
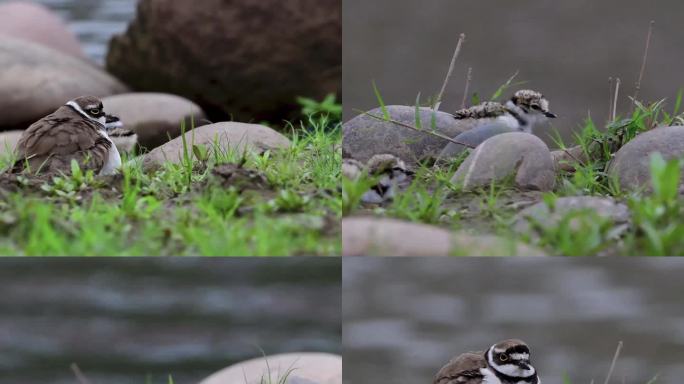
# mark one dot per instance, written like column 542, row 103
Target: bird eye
column 536, row 107
column 94, row 111
column 503, row 357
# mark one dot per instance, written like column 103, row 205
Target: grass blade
column 383, row 107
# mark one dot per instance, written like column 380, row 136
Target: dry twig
column 461, row 38
column 469, row 77
column 637, row 87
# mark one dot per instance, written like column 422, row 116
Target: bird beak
column 112, row 122
column 550, row 115
column 524, row 365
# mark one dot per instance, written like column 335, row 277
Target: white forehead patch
column 544, row 104
column 520, row 356
column 91, row 106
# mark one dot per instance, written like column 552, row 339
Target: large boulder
column 155, row 117
column 245, row 59
column 365, row 136
column 38, row 24
column 8, row 141
column 35, row 81
column 228, row 136
column 521, row 156
column 631, row 164
column 307, row 368
column 370, row 236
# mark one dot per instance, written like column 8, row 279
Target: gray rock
column 472, row 138
column 247, row 60
column 516, row 154
column 370, row 236
column 155, row 117
column 8, row 141
column 631, row 164
column 36, row 23
column 229, row 136
column 35, row 81
column 365, row 136
column 309, row 368
column 542, row 215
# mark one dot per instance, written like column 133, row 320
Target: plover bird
column 506, row 362
column 124, row 139
column 521, row 113
column 77, row 130
column 391, row 173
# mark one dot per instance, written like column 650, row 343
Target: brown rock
column 154, row 117
column 365, row 136
column 517, row 154
column 229, row 136
column 309, row 368
column 565, row 159
column 245, row 59
column 369, row 236
column 38, row 24
column 35, row 81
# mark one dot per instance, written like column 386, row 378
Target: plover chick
column 525, row 110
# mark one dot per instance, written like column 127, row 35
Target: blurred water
column 403, row 318
column 94, row 21
column 566, row 49
column 121, row 320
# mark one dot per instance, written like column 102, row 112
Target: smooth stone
column 371, row 236
column 365, row 136
column 565, row 159
column 632, row 163
column 8, row 141
column 546, row 217
column 35, row 81
column 229, row 136
column 38, row 24
column 155, row 117
column 472, row 138
column 246, row 60
column 518, row 154
column 309, row 368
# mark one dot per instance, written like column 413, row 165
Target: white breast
column 509, row 121
column 489, row 376
column 113, row 161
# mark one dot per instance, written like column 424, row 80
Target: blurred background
column 405, row 318
column 130, row 321
column 567, row 50
column 239, row 60
column 93, row 22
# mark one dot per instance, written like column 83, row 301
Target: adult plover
column 77, row 130
column 506, row 362
column 521, row 113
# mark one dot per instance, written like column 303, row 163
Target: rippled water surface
column 403, row 320
column 94, row 21
column 122, row 320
